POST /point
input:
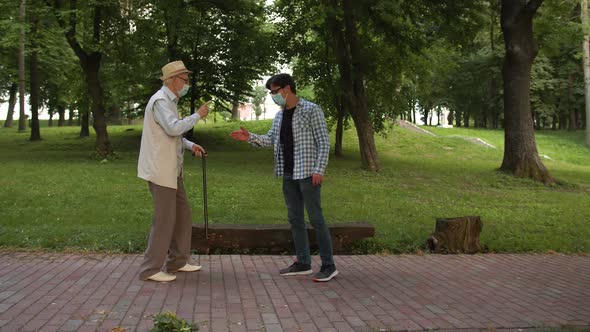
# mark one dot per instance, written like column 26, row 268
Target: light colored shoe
column 162, row 277
column 190, row 268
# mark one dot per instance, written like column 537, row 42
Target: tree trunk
column 93, row 84
column 85, row 124
column 586, row 58
column 61, row 111
column 491, row 115
column 11, row 105
column 458, row 120
column 347, row 51
column 50, row 122
column 339, row 128
column 537, row 121
column 189, row 134
column 496, row 123
column 22, row 126
column 520, row 153
column 90, row 64
column 466, row 119
column 562, row 121
column 34, row 84
column 171, row 24
column 71, row 116
column 235, row 110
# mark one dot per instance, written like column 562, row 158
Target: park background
column 375, row 67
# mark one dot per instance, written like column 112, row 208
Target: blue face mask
column 279, row 100
column 183, row 91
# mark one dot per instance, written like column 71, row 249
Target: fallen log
column 274, row 238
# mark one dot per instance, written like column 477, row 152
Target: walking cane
column 205, row 212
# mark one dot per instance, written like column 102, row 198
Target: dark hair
column 282, row 80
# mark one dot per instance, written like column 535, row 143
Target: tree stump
column 455, row 235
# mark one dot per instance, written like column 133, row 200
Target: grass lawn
column 55, row 196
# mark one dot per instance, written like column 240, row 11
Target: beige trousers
column 169, row 243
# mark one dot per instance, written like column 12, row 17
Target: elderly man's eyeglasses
column 184, row 79
column 275, row 91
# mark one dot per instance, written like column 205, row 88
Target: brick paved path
column 65, row 292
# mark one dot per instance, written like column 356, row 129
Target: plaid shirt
column 311, row 142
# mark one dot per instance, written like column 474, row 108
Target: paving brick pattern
column 66, row 292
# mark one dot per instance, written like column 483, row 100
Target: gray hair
column 167, row 81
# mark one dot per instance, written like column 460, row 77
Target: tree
column 245, row 50
column 11, row 104
column 227, row 45
column 586, row 64
column 9, row 46
column 352, row 79
column 87, row 48
column 21, row 68
column 520, row 152
column 556, row 77
column 34, row 80
column 58, row 65
column 258, row 97
column 365, row 43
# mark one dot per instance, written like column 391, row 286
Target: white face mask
column 183, row 91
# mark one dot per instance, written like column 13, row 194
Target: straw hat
column 172, row 69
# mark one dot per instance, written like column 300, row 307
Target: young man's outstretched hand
column 243, row 135
column 240, row 135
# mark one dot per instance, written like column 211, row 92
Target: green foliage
column 464, row 74
column 258, row 97
column 169, row 322
column 59, row 198
column 427, row 53
column 557, row 75
column 407, row 50
column 228, row 45
column 9, row 25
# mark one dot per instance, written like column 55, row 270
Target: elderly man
column 160, row 163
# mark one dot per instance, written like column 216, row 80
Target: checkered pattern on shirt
column 311, row 142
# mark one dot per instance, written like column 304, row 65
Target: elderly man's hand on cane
column 198, row 150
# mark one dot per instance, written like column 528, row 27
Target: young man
column 301, row 143
column 160, row 163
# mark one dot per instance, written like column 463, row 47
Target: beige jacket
column 160, row 155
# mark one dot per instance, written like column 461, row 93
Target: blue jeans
column 300, row 193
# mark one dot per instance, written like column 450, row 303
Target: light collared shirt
column 311, row 142
column 166, row 115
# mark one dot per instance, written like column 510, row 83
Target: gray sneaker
column 296, row 269
column 327, row 272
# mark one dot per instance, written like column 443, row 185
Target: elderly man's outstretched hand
column 240, row 135
column 204, row 110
